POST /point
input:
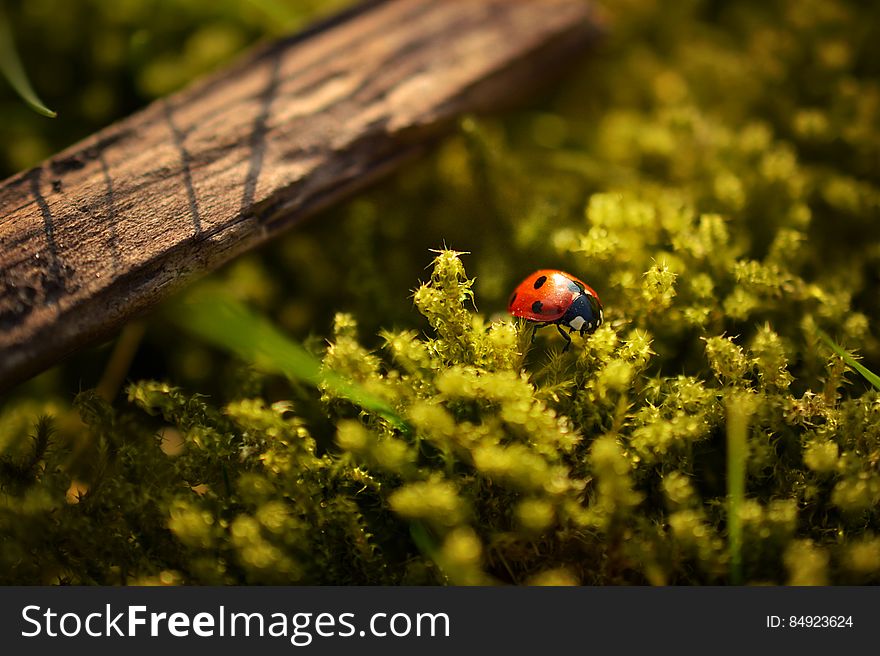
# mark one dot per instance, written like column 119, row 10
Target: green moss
column 711, row 172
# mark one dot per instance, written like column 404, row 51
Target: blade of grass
column 869, row 375
column 737, row 450
column 10, row 66
column 234, row 328
column 120, row 360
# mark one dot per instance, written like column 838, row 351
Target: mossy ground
column 713, row 171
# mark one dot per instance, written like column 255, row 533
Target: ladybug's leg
column 535, row 327
column 567, row 338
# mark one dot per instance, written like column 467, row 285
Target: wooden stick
column 108, row 227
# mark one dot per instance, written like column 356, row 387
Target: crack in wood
column 185, row 166
column 258, row 134
column 54, row 284
column 113, row 239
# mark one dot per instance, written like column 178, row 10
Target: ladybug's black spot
column 537, row 307
column 540, row 282
column 512, row 299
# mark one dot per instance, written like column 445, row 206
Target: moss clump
column 712, row 173
column 496, row 474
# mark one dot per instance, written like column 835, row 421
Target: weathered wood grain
column 108, row 227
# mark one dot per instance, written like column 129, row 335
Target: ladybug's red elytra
column 554, row 297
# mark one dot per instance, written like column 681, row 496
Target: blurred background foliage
column 713, row 170
column 94, row 61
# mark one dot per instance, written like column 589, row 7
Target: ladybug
column 549, row 297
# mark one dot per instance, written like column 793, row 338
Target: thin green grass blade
column 12, row 70
column 737, row 451
column 869, row 375
column 234, row 328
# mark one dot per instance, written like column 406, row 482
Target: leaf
column 10, row 66
column 869, row 375
column 231, row 326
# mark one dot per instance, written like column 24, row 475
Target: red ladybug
column 549, row 297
